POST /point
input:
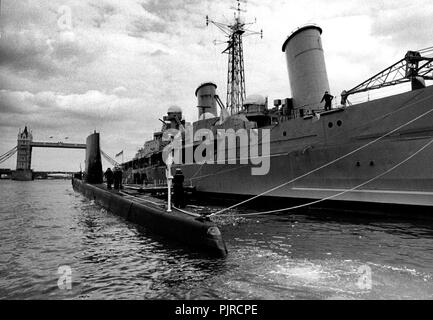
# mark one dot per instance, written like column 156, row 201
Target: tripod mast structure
column 235, row 32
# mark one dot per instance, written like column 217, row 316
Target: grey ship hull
column 301, row 145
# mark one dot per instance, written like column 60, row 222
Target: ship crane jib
column 413, row 68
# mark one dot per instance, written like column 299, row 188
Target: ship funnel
column 206, row 102
column 306, row 66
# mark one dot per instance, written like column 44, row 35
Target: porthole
column 330, row 125
column 358, row 164
column 339, row 123
column 371, row 163
column 284, row 133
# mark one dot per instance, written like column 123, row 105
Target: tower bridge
column 58, row 145
column 25, row 145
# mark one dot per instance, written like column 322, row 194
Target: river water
column 45, row 225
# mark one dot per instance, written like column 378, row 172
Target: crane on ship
column 415, row 67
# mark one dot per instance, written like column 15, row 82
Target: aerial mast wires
column 236, row 93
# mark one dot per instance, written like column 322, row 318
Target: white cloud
column 120, row 90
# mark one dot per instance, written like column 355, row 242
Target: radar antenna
column 236, row 73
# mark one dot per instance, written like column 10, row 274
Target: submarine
column 193, row 230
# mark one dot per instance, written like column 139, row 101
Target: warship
column 375, row 152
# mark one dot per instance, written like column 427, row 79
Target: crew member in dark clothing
column 109, row 177
column 328, row 100
column 178, row 179
column 136, row 178
column 143, row 178
column 117, row 178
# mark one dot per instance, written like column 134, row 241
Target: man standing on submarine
column 117, row 178
column 109, row 176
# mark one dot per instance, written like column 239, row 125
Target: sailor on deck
column 328, row 100
column 109, row 176
column 117, row 178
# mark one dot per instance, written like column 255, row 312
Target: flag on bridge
column 119, row 154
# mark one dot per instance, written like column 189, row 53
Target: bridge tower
column 23, row 170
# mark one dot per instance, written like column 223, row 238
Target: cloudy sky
column 116, row 66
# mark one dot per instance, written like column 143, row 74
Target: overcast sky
column 120, row 64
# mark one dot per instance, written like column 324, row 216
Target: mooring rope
column 188, row 212
column 309, row 203
column 338, row 194
column 322, row 167
column 139, row 198
column 196, row 215
column 327, row 164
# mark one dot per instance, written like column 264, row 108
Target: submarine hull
column 197, row 233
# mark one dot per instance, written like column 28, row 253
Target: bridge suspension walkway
column 6, row 156
column 109, row 159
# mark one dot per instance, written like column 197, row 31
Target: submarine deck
column 192, row 228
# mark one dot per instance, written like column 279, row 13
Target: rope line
column 159, row 205
column 425, row 49
column 325, row 165
column 340, row 193
column 141, row 199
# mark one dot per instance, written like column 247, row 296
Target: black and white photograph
column 228, row 152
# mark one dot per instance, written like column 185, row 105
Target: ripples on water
column 45, row 224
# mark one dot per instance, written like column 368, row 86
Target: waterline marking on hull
column 367, row 191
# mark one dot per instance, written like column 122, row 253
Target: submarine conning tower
column 306, row 66
column 206, row 102
column 93, row 159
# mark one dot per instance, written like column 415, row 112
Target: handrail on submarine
column 413, row 67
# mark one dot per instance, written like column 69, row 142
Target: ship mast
column 236, row 93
